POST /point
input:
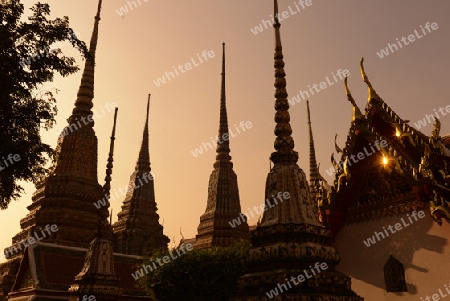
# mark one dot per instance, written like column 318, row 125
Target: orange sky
column 140, row 46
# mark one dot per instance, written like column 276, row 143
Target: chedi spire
column 223, row 147
column 217, row 227
column 289, row 238
column 284, row 144
column 83, row 104
column 138, row 231
column 72, row 184
column 313, row 171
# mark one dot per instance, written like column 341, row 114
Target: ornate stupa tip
column 104, row 227
column 284, row 144
column 109, row 165
column 85, row 94
column 143, row 162
column 148, row 110
column 313, row 168
column 372, row 93
column 275, row 12
column 308, row 113
column 356, row 111
column 222, row 88
column 276, row 25
column 99, row 9
column 223, row 145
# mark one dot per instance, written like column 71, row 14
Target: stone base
column 288, row 285
column 104, row 288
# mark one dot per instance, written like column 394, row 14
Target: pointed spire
column 275, row 13
column 80, row 160
column 356, row 111
column 83, row 104
column 104, row 228
column 372, row 93
column 285, row 175
column 75, row 163
column 313, row 170
column 223, row 202
column 284, row 144
column 223, row 143
column 143, row 162
column 139, row 209
column 287, row 228
column 109, row 166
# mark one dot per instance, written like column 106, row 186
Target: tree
column 28, row 59
column 198, row 275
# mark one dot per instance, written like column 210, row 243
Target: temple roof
column 49, row 269
column 387, row 179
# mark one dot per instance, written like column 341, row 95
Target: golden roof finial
column 437, row 127
column 348, row 93
column 338, row 149
column 372, row 93
column 356, row 111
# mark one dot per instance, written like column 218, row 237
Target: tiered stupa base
column 293, row 262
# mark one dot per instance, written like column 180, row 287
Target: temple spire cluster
column 295, row 232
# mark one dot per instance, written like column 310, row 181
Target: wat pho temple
column 305, row 249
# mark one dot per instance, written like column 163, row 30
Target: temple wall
column 422, row 247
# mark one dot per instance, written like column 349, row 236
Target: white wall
column 422, row 247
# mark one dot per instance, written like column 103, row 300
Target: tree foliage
column 26, row 63
column 198, row 275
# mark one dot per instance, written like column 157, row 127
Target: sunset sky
column 319, row 41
